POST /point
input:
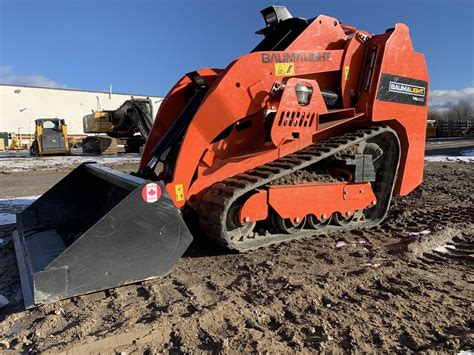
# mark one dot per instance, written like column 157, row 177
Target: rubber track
column 218, row 199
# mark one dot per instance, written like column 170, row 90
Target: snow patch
column 466, row 155
column 441, row 249
column 444, row 248
column 423, row 232
column 9, row 207
column 447, row 159
column 11, row 165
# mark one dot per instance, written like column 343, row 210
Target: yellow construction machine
column 131, row 122
column 50, row 137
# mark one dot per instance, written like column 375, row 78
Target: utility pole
column 19, row 136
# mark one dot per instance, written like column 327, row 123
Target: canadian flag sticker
column 151, row 192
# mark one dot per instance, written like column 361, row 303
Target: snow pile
column 423, row 232
column 467, row 156
column 10, row 165
column 447, row 159
column 8, row 208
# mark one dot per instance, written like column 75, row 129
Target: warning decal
column 151, row 192
column 346, row 72
column 179, row 190
column 284, row 69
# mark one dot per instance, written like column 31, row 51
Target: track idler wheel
column 340, row 220
column 285, row 225
column 314, row 223
column 235, row 229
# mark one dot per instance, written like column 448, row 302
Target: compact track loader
column 50, row 137
column 311, row 132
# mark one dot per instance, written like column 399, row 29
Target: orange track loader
column 311, row 132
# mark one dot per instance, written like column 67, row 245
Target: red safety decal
column 151, row 192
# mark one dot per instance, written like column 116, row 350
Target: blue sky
column 144, row 46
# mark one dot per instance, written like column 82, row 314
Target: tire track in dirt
column 385, row 289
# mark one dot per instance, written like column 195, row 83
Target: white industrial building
column 21, row 105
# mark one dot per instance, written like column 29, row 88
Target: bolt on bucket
column 94, row 230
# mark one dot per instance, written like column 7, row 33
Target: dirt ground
column 406, row 285
column 36, row 182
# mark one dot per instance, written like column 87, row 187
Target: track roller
column 339, row 220
column 286, row 225
column 313, row 222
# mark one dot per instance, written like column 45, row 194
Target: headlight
column 303, row 93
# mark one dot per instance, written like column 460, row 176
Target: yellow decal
column 285, row 69
column 179, row 190
column 346, row 72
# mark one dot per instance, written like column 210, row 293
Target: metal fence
column 454, row 128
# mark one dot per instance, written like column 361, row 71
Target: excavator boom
column 131, row 122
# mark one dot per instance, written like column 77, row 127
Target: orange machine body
column 380, row 79
column 310, row 133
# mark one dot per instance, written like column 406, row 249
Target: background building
column 21, row 105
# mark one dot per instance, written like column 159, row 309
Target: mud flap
column 93, row 231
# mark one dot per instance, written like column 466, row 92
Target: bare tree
column 435, row 115
column 461, row 111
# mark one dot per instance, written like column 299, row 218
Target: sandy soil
column 406, row 285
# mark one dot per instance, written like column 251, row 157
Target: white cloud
column 8, row 76
column 443, row 99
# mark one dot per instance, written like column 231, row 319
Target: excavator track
column 222, row 198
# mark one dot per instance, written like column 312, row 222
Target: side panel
column 242, row 91
column 234, row 97
column 402, row 99
column 320, row 200
column 52, row 140
column 293, row 119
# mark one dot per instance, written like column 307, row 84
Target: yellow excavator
column 131, row 122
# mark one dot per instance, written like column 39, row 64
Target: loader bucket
column 95, row 230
